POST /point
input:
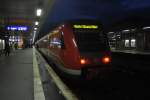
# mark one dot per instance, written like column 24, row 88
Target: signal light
column 82, row 61
column 106, row 60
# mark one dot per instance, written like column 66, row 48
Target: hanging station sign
column 17, row 28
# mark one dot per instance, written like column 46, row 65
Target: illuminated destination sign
column 17, row 28
column 86, row 26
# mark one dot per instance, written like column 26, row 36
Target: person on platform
column 7, row 49
column 16, row 46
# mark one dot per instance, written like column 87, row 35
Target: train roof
column 84, row 21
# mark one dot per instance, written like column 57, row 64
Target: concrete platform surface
column 16, row 76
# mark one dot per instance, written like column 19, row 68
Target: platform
column 16, row 76
column 132, row 52
column 22, row 77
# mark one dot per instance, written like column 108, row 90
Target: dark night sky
column 107, row 11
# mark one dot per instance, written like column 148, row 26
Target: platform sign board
column 17, row 28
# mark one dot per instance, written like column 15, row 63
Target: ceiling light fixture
column 111, row 32
column 146, row 27
column 39, row 12
column 126, row 30
column 35, row 28
column 36, row 23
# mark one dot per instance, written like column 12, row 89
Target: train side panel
column 70, row 54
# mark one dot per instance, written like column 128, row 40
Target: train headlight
column 106, row 60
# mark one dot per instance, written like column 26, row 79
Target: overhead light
column 127, row 41
column 133, row 40
column 110, row 32
column 36, row 23
column 146, row 27
column 38, row 12
column 126, row 30
column 35, row 28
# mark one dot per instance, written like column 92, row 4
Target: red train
column 78, row 48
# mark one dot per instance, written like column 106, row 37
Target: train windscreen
column 90, row 40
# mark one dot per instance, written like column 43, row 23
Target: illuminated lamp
column 38, row 12
column 146, row 27
column 36, row 23
column 106, row 60
column 82, row 61
column 35, row 28
column 126, row 30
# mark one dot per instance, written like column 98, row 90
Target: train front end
column 94, row 56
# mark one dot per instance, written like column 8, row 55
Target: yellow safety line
column 38, row 89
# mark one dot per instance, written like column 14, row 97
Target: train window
column 57, row 41
column 88, row 40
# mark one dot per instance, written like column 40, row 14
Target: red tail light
column 106, row 60
column 82, row 61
